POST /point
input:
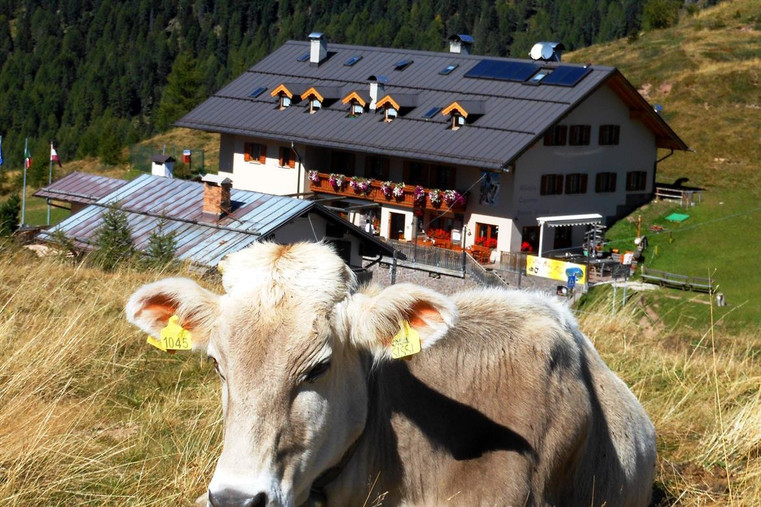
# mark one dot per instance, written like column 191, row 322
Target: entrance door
column 486, row 235
column 530, row 239
column 396, row 226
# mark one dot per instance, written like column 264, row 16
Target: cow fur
column 508, row 403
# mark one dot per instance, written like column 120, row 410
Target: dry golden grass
column 702, row 391
column 90, row 414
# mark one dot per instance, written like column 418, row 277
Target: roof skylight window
column 402, row 64
column 432, row 112
column 448, row 69
column 537, row 78
column 257, row 92
column 303, row 57
column 351, row 61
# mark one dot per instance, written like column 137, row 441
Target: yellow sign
column 406, row 342
column 173, row 337
column 555, row 269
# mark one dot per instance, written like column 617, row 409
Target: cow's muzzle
column 232, row 498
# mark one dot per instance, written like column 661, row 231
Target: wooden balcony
column 375, row 194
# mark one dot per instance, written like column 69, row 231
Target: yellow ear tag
column 406, row 342
column 173, row 337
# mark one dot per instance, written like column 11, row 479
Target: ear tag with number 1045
column 173, row 337
column 406, row 342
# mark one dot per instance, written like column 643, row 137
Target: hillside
column 89, row 414
column 96, row 76
column 706, row 73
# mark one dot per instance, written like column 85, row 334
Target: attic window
column 448, row 69
column 402, row 64
column 458, row 120
column 537, row 78
column 391, row 113
column 285, row 101
column 351, row 61
column 356, row 103
column 432, row 112
column 314, row 105
column 257, row 92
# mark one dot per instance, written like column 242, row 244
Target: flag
column 27, row 158
column 54, row 156
column 1, row 150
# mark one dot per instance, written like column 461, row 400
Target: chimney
column 319, row 48
column 460, row 43
column 377, row 89
column 162, row 165
column 547, row 51
column 216, row 196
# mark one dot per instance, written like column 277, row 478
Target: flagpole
column 50, row 178
column 23, row 191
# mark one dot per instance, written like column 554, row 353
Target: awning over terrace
column 564, row 221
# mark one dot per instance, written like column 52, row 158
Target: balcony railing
column 375, row 193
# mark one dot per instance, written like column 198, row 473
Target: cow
column 505, row 402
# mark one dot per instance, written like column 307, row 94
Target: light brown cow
column 507, row 403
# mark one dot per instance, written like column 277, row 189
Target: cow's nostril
column 259, row 500
column 232, row 498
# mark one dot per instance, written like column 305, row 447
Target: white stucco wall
column 636, row 151
column 269, row 177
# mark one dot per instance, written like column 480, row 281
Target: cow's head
column 290, row 339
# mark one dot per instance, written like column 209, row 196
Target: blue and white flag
column 1, row 150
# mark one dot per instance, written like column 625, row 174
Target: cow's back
column 513, row 407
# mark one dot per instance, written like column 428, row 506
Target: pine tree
column 113, row 240
column 183, row 91
column 161, row 248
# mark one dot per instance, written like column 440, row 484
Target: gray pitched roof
column 516, row 114
column 148, row 198
column 80, row 187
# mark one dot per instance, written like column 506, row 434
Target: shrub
column 9, row 215
column 161, row 248
column 113, row 240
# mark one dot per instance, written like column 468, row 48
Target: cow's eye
column 216, row 366
column 317, row 371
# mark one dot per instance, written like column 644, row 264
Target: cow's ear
column 150, row 307
column 373, row 319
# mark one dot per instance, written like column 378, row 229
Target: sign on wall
column 555, row 269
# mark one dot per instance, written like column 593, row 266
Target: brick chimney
column 216, row 196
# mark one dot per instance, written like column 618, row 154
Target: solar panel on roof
column 566, row 75
column 351, row 61
column 402, row 64
column 503, row 71
column 257, row 92
column 448, row 69
column 431, row 113
column 303, row 57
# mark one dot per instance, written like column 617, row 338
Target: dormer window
column 320, row 96
column 464, row 111
column 357, row 101
column 397, row 105
column 458, row 120
column 288, row 93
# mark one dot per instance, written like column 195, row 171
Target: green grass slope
column 706, row 73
